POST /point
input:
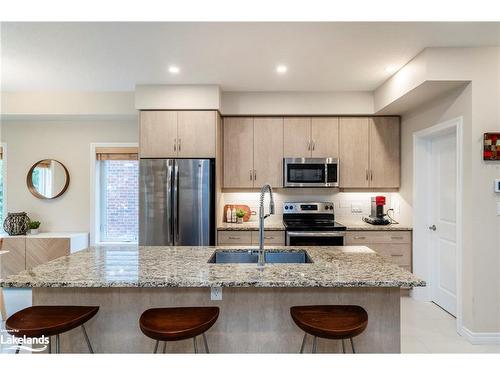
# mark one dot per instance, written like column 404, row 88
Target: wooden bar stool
column 333, row 322
column 178, row 323
column 38, row 321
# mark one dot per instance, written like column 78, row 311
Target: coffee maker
column 377, row 216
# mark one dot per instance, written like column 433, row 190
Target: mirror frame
column 31, row 187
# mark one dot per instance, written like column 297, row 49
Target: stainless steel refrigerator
column 177, row 202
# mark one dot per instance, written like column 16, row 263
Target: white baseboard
column 480, row 338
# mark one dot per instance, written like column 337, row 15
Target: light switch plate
column 216, row 294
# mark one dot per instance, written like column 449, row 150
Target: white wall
column 481, row 262
column 297, row 103
column 69, row 142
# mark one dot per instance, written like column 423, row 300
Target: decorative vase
column 240, row 220
column 16, row 223
column 34, row 231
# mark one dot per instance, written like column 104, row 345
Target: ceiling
column 238, row 56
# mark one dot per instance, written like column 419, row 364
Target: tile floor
column 425, row 328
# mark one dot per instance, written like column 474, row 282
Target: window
column 118, row 170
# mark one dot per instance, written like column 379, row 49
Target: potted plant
column 240, row 214
column 33, row 226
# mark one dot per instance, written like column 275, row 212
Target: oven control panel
column 307, row 208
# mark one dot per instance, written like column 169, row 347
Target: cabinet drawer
column 234, row 237
column 274, row 237
column 374, row 237
column 399, row 254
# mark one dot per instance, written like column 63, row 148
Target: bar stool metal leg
column 352, row 346
column 50, row 345
column 164, row 347
column 315, row 345
column 195, row 344
column 205, row 343
column 58, row 344
column 303, row 343
column 87, row 339
column 343, row 346
column 156, row 346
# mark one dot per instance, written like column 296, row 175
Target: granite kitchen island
column 126, row 280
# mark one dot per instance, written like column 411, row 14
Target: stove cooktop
column 316, row 216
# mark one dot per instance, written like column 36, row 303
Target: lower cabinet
column 395, row 246
column 24, row 252
column 250, row 237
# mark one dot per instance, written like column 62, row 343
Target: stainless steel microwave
column 311, row 172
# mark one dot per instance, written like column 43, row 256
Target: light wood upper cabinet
column 165, row 134
column 268, row 151
column 384, row 152
column 297, row 137
column 354, row 152
column 238, row 152
column 196, row 134
column 316, row 137
column 369, row 152
column 158, row 134
column 325, row 137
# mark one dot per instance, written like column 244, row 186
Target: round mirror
column 48, row 179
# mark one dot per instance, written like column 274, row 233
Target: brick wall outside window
column 119, row 201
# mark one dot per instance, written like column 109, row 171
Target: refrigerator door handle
column 169, row 198
column 176, row 203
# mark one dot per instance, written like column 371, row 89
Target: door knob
column 432, row 227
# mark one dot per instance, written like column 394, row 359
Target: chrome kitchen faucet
column 265, row 188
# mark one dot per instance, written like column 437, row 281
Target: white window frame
column 4, row 177
column 95, row 183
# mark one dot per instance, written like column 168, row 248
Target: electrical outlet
column 356, row 208
column 216, row 294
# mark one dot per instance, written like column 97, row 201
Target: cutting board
column 238, row 206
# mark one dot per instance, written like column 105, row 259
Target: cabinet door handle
column 371, row 175
column 234, row 238
column 396, row 237
column 251, row 175
column 367, row 175
column 308, row 145
column 268, row 238
column 179, row 145
column 254, row 175
column 313, row 145
column 175, row 145
column 359, row 237
column 396, row 255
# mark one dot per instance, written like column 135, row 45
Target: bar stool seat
column 334, row 322
column 37, row 321
column 178, row 323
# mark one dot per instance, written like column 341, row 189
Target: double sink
column 251, row 256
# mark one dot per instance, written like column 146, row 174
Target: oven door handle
column 315, row 234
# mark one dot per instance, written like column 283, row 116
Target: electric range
column 312, row 224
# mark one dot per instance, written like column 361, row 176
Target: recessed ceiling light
column 391, row 68
column 173, row 69
column 281, row 69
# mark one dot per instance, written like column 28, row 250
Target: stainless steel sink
column 251, row 256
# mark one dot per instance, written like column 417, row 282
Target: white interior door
column 443, row 221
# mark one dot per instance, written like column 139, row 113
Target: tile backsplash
column 347, row 204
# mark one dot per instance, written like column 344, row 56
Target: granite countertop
column 359, row 224
column 134, row 266
column 252, row 225
column 350, row 223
